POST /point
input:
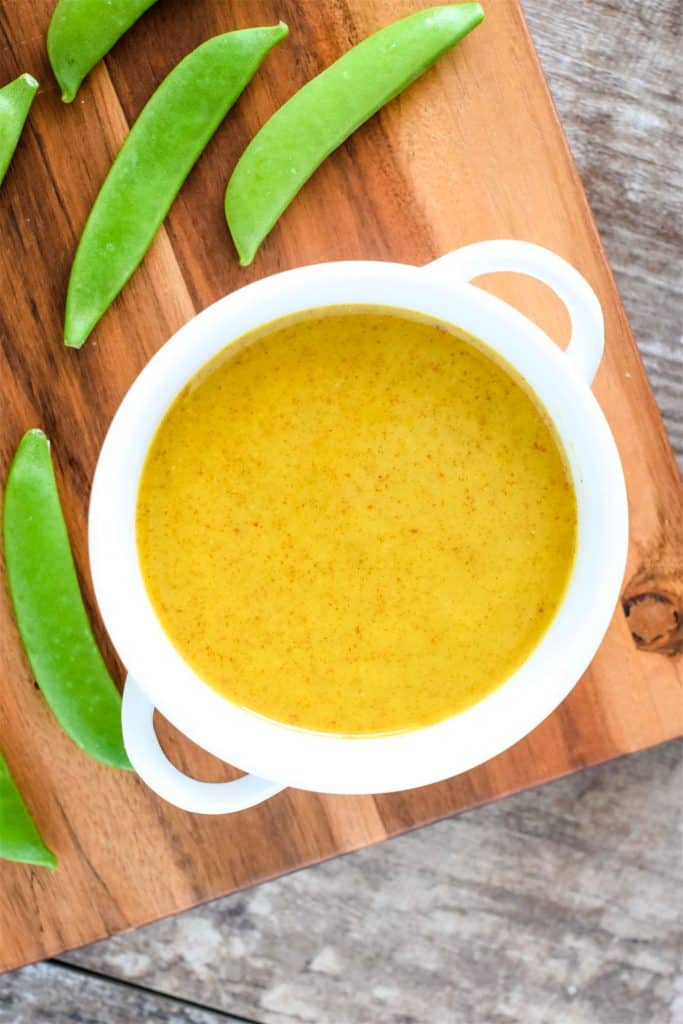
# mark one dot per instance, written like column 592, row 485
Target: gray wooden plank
column 614, row 71
column 52, row 993
column 556, row 905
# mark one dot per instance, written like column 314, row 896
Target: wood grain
column 50, row 991
column 556, row 906
column 613, row 70
column 473, row 151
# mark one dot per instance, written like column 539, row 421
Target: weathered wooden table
column 560, row 905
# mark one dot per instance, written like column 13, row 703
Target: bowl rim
column 327, row 762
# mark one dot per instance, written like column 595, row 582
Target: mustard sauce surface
column 355, row 522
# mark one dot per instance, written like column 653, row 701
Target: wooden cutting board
column 472, row 151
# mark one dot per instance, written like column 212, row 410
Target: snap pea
column 323, row 113
column 19, row 837
column 52, row 619
column 161, row 149
column 81, row 32
column 15, row 102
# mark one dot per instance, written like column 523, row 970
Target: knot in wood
column 655, row 619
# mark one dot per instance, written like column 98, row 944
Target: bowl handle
column 154, row 768
column 588, row 333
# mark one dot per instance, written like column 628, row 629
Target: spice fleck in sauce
column 357, row 522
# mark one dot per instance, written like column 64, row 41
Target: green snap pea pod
column 293, row 143
column 163, row 145
column 49, row 609
column 15, row 102
column 81, row 32
column 19, row 837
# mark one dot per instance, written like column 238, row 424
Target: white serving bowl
column 278, row 755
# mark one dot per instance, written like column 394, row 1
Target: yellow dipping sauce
column 355, row 522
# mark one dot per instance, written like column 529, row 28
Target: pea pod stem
column 15, row 102
column 162, row 147
column 81, row 32
column 323, row 113
column 49, row 609
column 19, row 837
